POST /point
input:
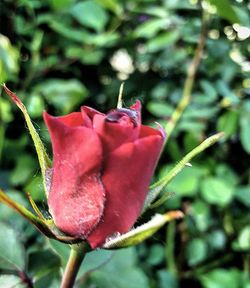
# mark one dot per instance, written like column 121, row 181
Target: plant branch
column 26, row 280
column 76, row 257
column 189, row 82
column 170, row 248
column 207, row 267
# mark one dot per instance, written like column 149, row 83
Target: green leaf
column 186, row 183
column 60, row 4
column 216, row 191
column 47, row 227
column 198, row 111
column 96, row 259
column 219, row 278
column 50, row 280
column 36, row 221
column 35, row 188
column 152, row 10
column 225, row 10
column 86, row 56
column 160, row 109
column 226, row 174
column 5, row 111
column 242, row 194
column 196, row 251
column 9, row 57
column 113, row 5
column 156, row 254
column 11, row 281
column 201, row 215
column 228, row 123
column 142, row 232
column 243, row 241
column 243, row 15
column 162, row 41
column 25, row 167
column 68, row 32
column 191, row 125
column 210, row 93
column 41, row 262
column 12, row 251
column 2, row 132
column 65, row 95
column 226, row 91
column 90, row 14
column 245, row 132
column 217, row 239
column 123, row 269
column 60, row 249
column 35, row 106
column 167, row 279
column 44, row 161
column 92, row 261
column 150, row 28
column 6, row 213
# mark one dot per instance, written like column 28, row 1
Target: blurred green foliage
column 60, row 54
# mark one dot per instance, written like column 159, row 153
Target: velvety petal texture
column 102, row 167
column 76, row 197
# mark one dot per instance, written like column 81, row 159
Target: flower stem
column 157, row 187
column 76, row 257
column 170, row 247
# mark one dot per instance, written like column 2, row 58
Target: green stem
column 76, row 257
column 46, row 226
column 207, row 267
column 157, row 187
column 170, row 255
column 40, row 224
column 2, row 130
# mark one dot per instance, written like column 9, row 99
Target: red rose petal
column 149, row 131
column 126, row 178
column 90, row 112
column 114, row 135
column 72, row 120
column 76, row 198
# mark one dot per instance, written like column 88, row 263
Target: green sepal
column 139, row 234
column 39, row 223
column 44, row 160
column 45, row 226
column 157, row 187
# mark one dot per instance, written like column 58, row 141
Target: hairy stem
column 157, row 187
column 76, row 257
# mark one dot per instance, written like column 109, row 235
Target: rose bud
column 102, row 167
